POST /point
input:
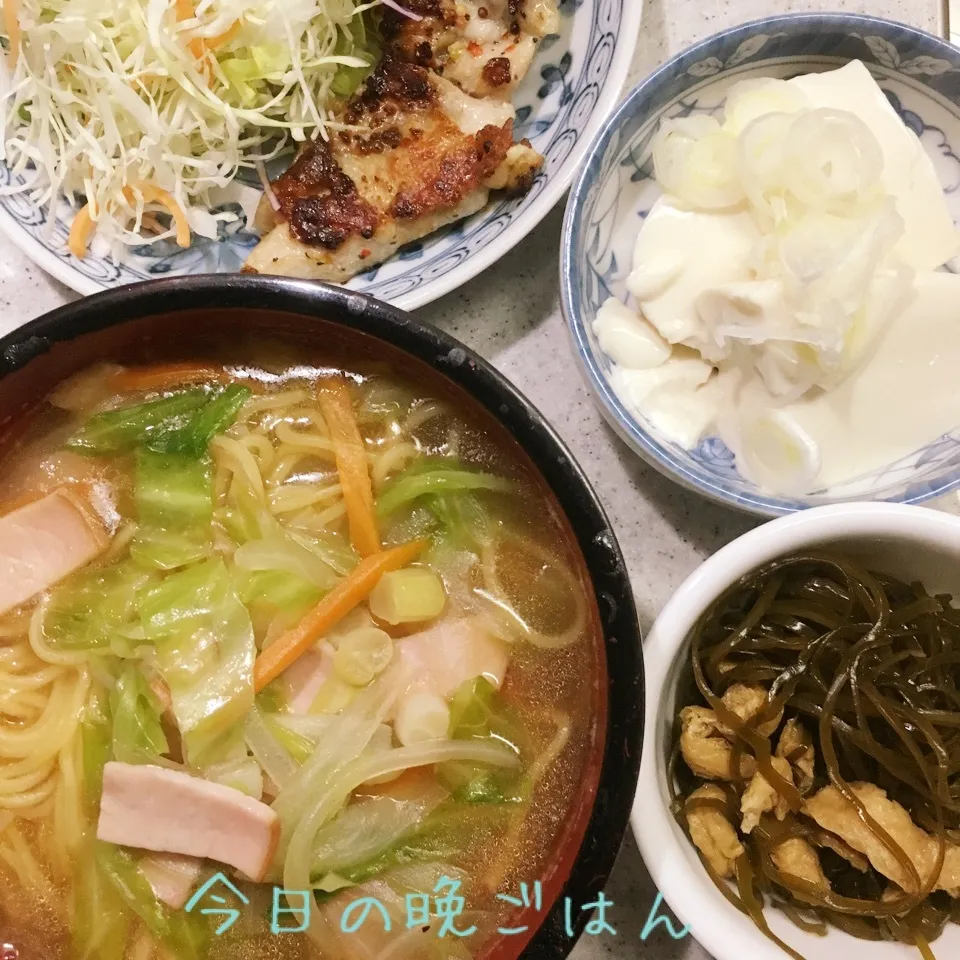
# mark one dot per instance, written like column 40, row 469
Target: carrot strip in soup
column 11, row 17
column 344, row 597
column 337, row 408
column 165, row 376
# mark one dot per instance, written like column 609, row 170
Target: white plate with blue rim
column 614, row 190
column 574, row 83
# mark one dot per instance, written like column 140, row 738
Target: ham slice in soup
column 438, row 660
column 304, row 678
column 167, row 811
column 44, row 542
column 171, row 876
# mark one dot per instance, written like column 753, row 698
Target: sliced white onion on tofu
column 753, row 310
column 761, row 157
column 859, row 248
column 817, row 244
column 832, row 155
column 750, row 99
column 696, row 161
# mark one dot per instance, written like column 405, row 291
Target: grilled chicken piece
column 486, row 47
column 419, row 154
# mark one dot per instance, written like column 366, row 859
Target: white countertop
column 511, row 315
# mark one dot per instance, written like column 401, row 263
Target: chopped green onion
column 363, row 654
column 411, row 595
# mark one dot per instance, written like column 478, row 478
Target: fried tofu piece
column 706, row 743
column 950, row 873
column 822, row 838
column 795, row 857
column 706, row 751
column 796, row 746
column 746, row 701
column 712, row 833
column 833, row 812
column 419, row 154
column 762, row 797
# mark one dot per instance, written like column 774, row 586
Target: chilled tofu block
column 167, row 811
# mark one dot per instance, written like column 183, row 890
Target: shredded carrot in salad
column 83, row 226
column 11, row 20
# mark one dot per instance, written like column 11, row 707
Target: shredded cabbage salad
column 135, row 109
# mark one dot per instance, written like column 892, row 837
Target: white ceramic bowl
column 904, row 541
column 574, row 83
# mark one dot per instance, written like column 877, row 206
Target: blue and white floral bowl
column 575, row 81
column 614, row 190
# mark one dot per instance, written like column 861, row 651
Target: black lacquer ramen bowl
column 162, row 316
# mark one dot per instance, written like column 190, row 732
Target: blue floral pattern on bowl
column 614, row 189
column 574, row 81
